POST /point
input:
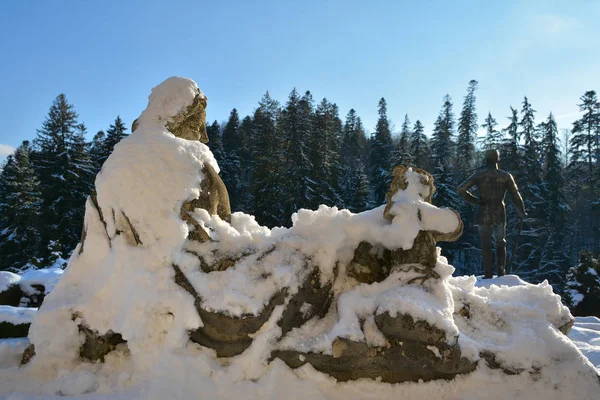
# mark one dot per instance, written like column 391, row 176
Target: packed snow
column 586, row 336
column 130, row 289
column 45, row 277
column 8, row 279
column 11, row 352
column 17, row 315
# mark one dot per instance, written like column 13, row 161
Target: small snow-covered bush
column 582, row 292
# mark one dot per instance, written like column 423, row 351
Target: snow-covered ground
column 46, row 277
column 196, row 375
column 586, row 336
column 192, row 371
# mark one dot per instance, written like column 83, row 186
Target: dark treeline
column 302, row 153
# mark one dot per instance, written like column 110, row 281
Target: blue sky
column 107, row 55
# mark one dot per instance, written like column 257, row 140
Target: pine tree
column 52, row 163
column 296, row 127
column 553, row 179
column 555, row 208
column 324, row 156
column 114, row 134
column 584, row 168
column 79, row 183
column 585, row 144
column 402, row 155
column 583, row 286
column 231, row 139
column 245, row 139
column 267, row 170
column 441, row 160
column 98, row 150
column 20, row 211
column 215, row 144
column 358, row 199
column 352, row 154
column 493, row 138
column 419, row 146
column 534, row 241
column 510, row 160
column 531, row 158
column 336, row 169
column 230, row 167
column 510, row 156
column 442, row 145
column 467, row 133
column 442, row 154
column 380, row 159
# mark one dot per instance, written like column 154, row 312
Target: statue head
column 492, row 157
column 178, row 105
column 190, row 123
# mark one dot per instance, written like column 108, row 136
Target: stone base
column 28, row 354
column 404, row 327
column 409, row 361
column 97, row 346
column 15, row 296
column 230, row 336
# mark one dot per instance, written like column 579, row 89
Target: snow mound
column 586, row 336
column 17, row 315
column 7, row 279
column 11, row 351
column 45, row 277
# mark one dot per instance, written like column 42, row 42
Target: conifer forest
column 302, row 152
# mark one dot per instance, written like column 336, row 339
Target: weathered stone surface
column 230, row 336
column 190, row 123
column 566, row 328
column 399, row 182
column 423, row 251
column 222, row 327
column 492, row 363
column 11, row 296
column 15, row 296
column 410, row 361
column 312, row 300
column 214, row 197
column 28, row 354
column 404, row 327
column 8, row 330
column 370, row 264
column 227, row 335
column 97, row 346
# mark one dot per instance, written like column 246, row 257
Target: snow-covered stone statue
column 169, row 292
column 436, row 224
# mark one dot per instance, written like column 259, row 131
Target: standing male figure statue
column 493, row 183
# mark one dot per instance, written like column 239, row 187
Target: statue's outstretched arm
column 516, row 197
column 463, row 191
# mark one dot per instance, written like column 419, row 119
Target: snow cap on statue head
column 168, row 103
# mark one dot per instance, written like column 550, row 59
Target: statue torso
column 492, row 184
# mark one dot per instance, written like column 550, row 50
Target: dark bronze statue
column 492, row 183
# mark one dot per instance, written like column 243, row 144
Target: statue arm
column 463, row 191
column 516, row 197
